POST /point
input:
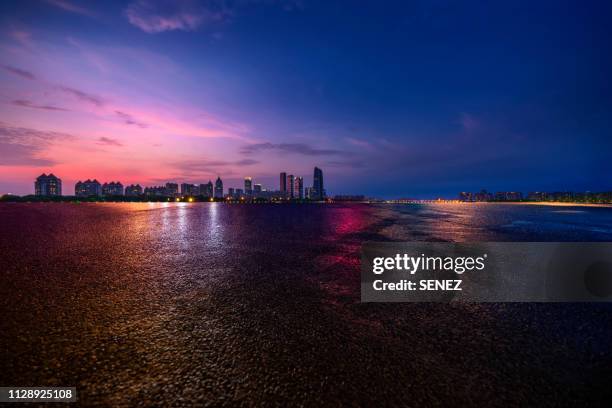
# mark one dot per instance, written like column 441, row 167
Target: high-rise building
column 537, row 196
column 248, row 186
column 88, row 188
column 188, row 189
column 112, row 189
column 257, row 189
column 231, row 192
column 298, row 188
column 133, row 190
column 308, row 193
column 466, row 196
column 48, row 185
column 290, row 186
column 172, row 189
column 318, row 191
column 207, row 189
column 283, row 183
column 218, row 188
column 157, row 191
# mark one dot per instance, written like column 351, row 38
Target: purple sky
column 394, row 99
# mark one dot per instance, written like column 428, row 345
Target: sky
column 412, row 99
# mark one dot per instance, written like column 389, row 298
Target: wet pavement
column 243, row 305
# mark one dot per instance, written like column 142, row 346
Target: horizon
column 396, row 100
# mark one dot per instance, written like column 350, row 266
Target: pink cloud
column 185, row 15
column 70, row 7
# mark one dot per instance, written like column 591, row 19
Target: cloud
column 203, row 168
column 205, row 165
column 346, row 163
column 70, row 7
column 129, row 120
column 83, row 96
column 153, row 16
column 469, row 123
column 28, row 104
column 26, row 147
column 359, row 142
column 19, row 72
column 246, row 162
column 291, row 148
column 107, row 141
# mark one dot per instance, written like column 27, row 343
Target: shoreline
column 423, row 202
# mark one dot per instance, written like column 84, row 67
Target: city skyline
column 290, row 187
column 49, row 185
column 402, row 99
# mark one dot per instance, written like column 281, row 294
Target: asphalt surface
column 258, row 305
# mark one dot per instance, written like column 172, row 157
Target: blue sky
column 391, row 99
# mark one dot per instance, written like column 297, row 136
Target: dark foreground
column 214, row 304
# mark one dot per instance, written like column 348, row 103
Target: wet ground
column 216, row 304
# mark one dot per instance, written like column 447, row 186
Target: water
column 165, row 304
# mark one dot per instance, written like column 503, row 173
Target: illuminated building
column 48, row 185
column 291, row 186
column 172, row 189
column 283, row 184
column 157, row 191
column 88, row 188
column 466, row 196
column 318, row 191
column 112, row 189
column 206, row 189
column 308, row 193
column 248, row 186
column 133, row 190
column 218, row 188
column 189, row 189
column 257, row 190
column 298, row 188
column 537, row 196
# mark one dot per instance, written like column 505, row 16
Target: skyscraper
column 298, row 188
column 248, row 186
column 218, row 188
column 172, row 189
column 48, row 185
column 207, row 189
column 283, row 184
column 290, row 186
column 318, row 192
column 188, row 189
column 308, row 193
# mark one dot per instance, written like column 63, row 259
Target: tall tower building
column 207, row 189
column 290, row 186
column 172, row 189
column 248, row 186
column 318, row 191
column 283, row 184
column 298, row 188
column 48, row 185
column 218, row 188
